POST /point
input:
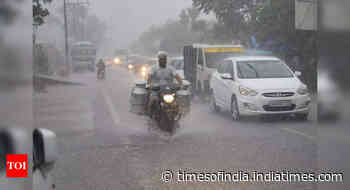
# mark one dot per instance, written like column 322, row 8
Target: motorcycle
column 166, row 110
column 101, row 74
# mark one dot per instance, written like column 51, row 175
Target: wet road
column 122, row 151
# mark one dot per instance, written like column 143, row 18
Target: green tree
column 184, row 18
column 7, row 11
column 276, row 18
column 193, row 14
column 39, row 11
column 232, row 13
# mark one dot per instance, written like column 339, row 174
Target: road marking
column 108, row 100
column 298, row 133
column 114, row 114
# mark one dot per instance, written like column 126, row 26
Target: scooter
column 101, row 74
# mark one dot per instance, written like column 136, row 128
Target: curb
column 57, row 80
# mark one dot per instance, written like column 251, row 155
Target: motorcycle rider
column 100, row 66
column 161, row 75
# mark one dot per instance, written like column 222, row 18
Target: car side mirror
column 297, row 73
column 226, row 76
column 13, row 141
column 45, row 150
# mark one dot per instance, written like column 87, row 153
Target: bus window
column 200, row 57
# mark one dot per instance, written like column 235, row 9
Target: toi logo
column 17, row 165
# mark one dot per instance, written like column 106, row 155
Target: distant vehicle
column 200, row 61
column 258, row 85
column 140, row 65
column 83, row 55
column 121, row 56
column 329, row 97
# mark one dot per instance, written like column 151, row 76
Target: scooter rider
column 161, row 75
column 100, row 66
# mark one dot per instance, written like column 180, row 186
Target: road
column 105, row 146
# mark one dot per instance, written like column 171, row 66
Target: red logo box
column 17, row 165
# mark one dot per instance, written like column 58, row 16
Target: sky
column 127, row 19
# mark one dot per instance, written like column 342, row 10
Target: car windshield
column 212, row 59
column 263, row 69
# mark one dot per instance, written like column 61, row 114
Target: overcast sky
column 128, row 18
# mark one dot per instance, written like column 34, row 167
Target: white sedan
column 258, row 85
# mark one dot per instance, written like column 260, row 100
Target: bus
column 83, row 55
column 200, row 61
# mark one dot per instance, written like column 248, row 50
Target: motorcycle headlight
column 143, row 73
column 169, row 98
column 143, row 69
column 247, row 92
column 303, row 90
column 130, row 66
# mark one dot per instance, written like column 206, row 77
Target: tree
column 7, row 11
column 275, row 22
column 40, row 12
column 193, row 14
column 184, row 18
column 232, row 13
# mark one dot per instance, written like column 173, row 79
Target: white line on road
column 114, row 114
column 298, row 133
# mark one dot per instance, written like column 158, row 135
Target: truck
column 201, row 60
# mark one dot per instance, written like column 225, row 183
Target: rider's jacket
column 162, row 76
column 101, row 65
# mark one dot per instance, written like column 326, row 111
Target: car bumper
column 254, row 106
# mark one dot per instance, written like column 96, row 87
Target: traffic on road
column 169, row 95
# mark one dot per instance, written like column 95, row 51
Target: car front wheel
column 235, row 110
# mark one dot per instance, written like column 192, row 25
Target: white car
column 258, row 85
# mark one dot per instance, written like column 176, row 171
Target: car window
column 221, row 67
column 229, row 67
column 263, row 69
column 200, row 57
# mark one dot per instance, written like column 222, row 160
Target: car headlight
column 247, row 92
column 169, row 98
column 144, row 69
column 130, row 66
column 303, row 90
column 116, row 60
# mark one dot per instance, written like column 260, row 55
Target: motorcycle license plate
column 280, row 103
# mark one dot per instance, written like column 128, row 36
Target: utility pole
column 66, row 38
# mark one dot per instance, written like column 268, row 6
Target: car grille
column 278, row 94
column 284, row 108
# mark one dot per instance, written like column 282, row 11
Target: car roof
column 252, row 58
